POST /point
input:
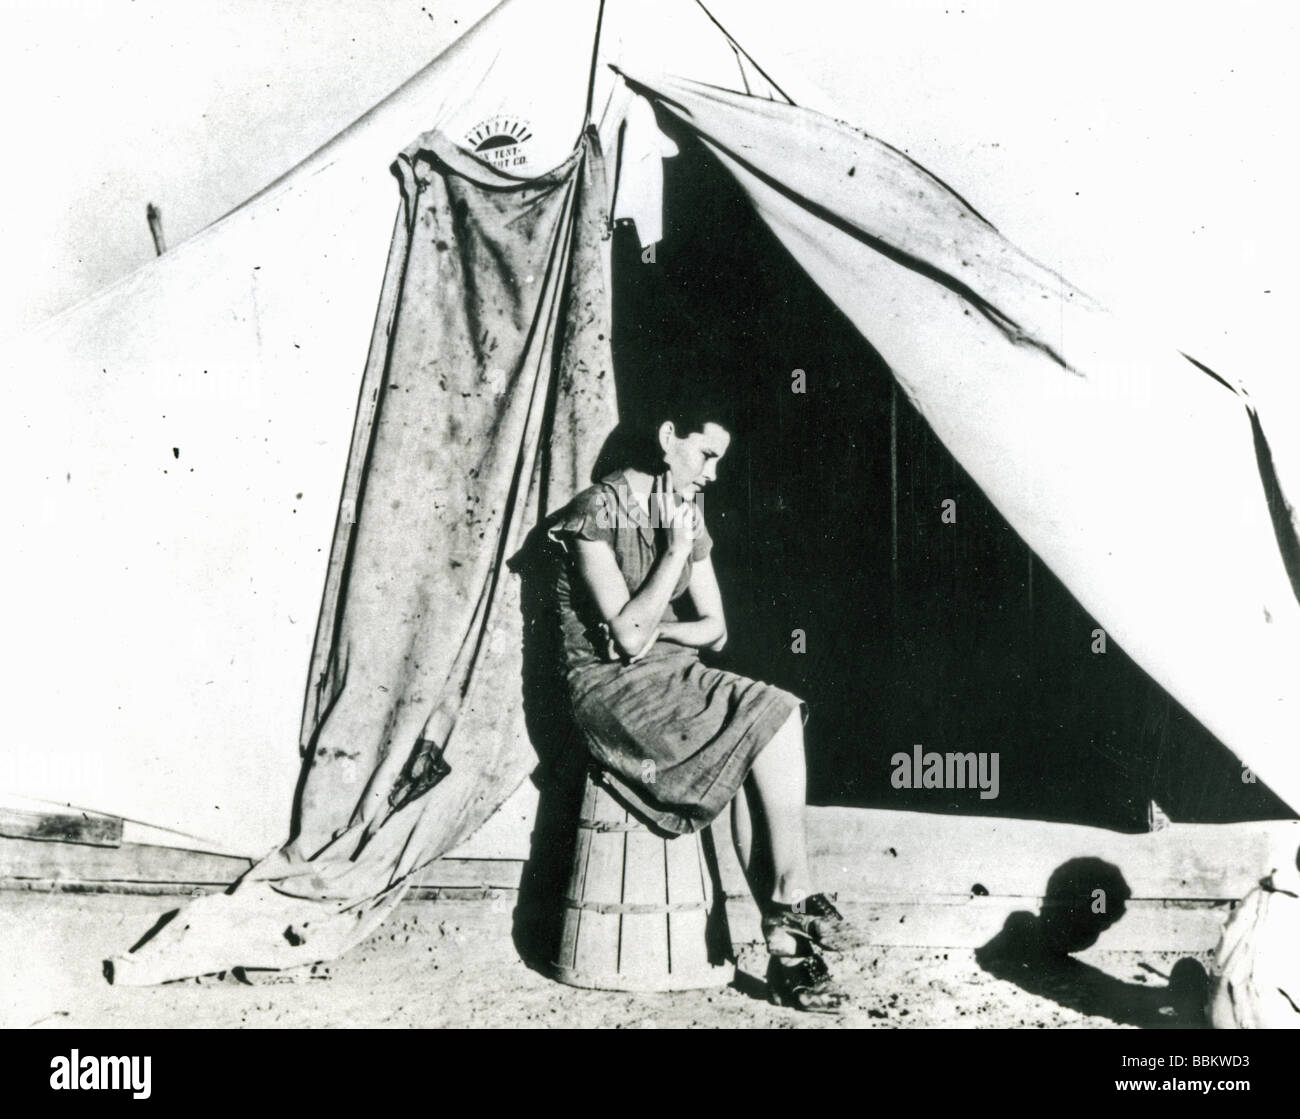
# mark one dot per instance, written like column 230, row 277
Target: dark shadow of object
column 166, row 919
column 616, row 452
column 158, row 926
column 562, row 757
column 717, row 933
column 750, row 985
column 1085, row 897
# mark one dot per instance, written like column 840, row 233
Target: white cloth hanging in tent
column 639, row 197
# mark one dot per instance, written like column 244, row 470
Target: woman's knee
column 789, row 735
column 784, row 753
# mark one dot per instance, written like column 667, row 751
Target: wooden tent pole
column 595, row 53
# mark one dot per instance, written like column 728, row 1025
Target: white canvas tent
column 202, row 420
column 243, row 348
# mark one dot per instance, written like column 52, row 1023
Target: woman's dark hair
column 688, row 406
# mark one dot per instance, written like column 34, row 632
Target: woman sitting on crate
column 677, row 740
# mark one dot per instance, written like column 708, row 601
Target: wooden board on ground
column 71, row 826
column 143, row 868
column 924, row 880
column 865, row 853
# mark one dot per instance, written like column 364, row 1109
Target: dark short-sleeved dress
column 674, row 737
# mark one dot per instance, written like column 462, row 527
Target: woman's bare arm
column 634, row 619
column 709, row 631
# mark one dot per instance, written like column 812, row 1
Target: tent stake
column 154, row 216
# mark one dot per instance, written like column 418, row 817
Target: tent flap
column 1131, row 473
column 487, row 392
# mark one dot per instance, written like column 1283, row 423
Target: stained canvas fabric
column 1145, row 481
column 486, row 395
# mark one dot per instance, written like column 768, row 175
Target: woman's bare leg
column 778, row 785
column 780, row 780
column 746, row 835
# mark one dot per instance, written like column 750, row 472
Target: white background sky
column 1145, row 148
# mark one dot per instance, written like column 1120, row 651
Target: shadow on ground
column 1085, row 897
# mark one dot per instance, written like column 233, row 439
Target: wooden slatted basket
column 640, row 912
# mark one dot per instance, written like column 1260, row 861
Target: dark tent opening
column 827, row 520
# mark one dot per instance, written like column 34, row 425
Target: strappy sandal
column 814, row 920
column 804, row 983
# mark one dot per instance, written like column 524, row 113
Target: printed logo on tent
column 500, row 141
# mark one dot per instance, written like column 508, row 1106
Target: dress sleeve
column 588, row 516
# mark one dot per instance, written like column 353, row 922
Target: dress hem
column 770, row 718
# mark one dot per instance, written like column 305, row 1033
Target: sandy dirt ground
column 453, row 964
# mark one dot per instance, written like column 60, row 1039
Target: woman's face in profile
column 694, row 459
